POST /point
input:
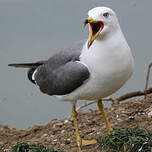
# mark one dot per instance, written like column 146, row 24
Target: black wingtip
column 10, row 64
column 15, row 65
column 26, row 65
column 19, row 65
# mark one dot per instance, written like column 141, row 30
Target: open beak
column 95, row 27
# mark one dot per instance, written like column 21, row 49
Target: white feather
column 33, row 75
column 109, row 60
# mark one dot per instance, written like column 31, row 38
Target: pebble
column 131, row 117
column 66, row 121
column 150, row 114
column 52, row 136
column 55, row 142
column 67, row 141
column 62, row 131
column 119, row 119
column 60, row 124
column 98, row 133
column 44, row 135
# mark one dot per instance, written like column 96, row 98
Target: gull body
column 109, row 61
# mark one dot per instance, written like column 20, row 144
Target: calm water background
column 31, row 30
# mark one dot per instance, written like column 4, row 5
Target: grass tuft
column 127, row 140
column 25, row 147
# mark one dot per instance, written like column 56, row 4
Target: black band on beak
column 86, row 21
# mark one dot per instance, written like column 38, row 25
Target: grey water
column 32, row 30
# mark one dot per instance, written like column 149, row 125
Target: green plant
column 26, row 147
column 127, row 140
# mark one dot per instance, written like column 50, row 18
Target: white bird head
column 101, row 20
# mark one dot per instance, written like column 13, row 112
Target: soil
column 59, row 134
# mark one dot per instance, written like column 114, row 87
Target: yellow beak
column 94, row 30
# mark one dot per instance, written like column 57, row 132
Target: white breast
column 110, row 66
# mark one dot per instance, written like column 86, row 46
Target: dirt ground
column 59, row 134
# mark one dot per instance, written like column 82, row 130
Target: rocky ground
column 59, row 134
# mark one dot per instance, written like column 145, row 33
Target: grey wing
column 61, row 74
column 62, row 80
column 65, row 55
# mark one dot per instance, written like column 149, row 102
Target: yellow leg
column 75, row 119
column 104, row 116
column 80, row 142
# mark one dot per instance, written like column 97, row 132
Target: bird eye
column 106, row 15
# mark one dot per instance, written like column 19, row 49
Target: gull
column 87, row 71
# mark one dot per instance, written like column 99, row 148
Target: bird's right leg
column 80, row 142
column 75, row 120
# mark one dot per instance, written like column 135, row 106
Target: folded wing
column 62, row 80
column 60, row 74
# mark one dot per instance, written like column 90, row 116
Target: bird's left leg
column 104, row 116
column 80, row 142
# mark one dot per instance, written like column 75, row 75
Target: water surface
column 32, row 30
